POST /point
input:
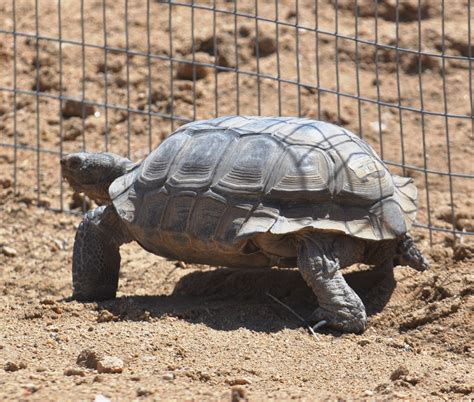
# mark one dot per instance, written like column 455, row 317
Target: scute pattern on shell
column 221, row 180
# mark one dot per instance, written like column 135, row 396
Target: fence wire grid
column 120, row 76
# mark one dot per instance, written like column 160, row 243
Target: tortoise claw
column 319, row 324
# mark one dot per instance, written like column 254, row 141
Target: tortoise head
column 93, row 173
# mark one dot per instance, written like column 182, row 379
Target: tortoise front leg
column 96, row 257
column 339, row 306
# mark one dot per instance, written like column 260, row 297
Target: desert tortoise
column 248, row 192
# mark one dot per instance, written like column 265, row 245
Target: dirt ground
column 187, row 332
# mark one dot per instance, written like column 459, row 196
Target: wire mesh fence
column 120, row 76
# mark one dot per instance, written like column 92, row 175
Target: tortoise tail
column 409, row 254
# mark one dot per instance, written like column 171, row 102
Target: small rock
column 169, row 376
column 158, row 94
column 220, row 46
column 203, row 376
column 463, row 252
column 74, row 108
column 398, row 373
column 180, row 264
column 46, row 81
column 264, row 45
column 377, row 128
column 464, row 389
column 238, row 394
column 9, row 251
column 31, row 388
column 189, row 71
column 74, row 371
column 145, row 316
column 368, row 392
column 363, row 342
column 57, row 245
column 413, row 380
column 238, row 381
column 88, row 358
column 5, row 182
column 101, row 398
column 106, row 316
column 98, row 378
column 110, row 364
column 383, row 388
column 48, row 302
column 112, row 65
column 245, row 31
column 14, row 366
column 143, row 392
column 71, row 133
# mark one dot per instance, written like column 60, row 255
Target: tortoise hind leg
column 319, row 262
column 96, row 257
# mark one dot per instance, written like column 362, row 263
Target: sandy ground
column 185, row 332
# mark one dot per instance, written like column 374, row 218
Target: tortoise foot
column 344, row 319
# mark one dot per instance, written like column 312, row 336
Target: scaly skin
column 319, row 261
column 96, row 257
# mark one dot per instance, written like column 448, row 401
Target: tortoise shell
column 213, row 185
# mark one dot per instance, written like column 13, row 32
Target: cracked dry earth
column 187, row 332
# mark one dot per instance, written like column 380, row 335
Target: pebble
column 106, row 316
column 87, row 358
column 71, row 133
column 101, row 398
column 376, row 128
column 48, row 302
column 110, row 364
column 75, row 108
column 112, row 65
column 5, row 183
column 168, row 376
column 14, row 366
column 98, row 378
column 398, row 373
column 368, row 392
column 245, row 31
column 185, row 71
column 266, row 44
column 31, row 388
column 9, row 251
column 238, row 394
column 74, row 371
column 238, row 381
column 363, row 342
column 143, row 392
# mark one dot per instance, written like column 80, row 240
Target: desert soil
column 185, row 332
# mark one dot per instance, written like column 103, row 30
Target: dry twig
column 295, row 314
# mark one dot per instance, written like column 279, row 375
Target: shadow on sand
column 227, row 299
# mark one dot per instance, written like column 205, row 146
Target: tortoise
column 242, row 191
